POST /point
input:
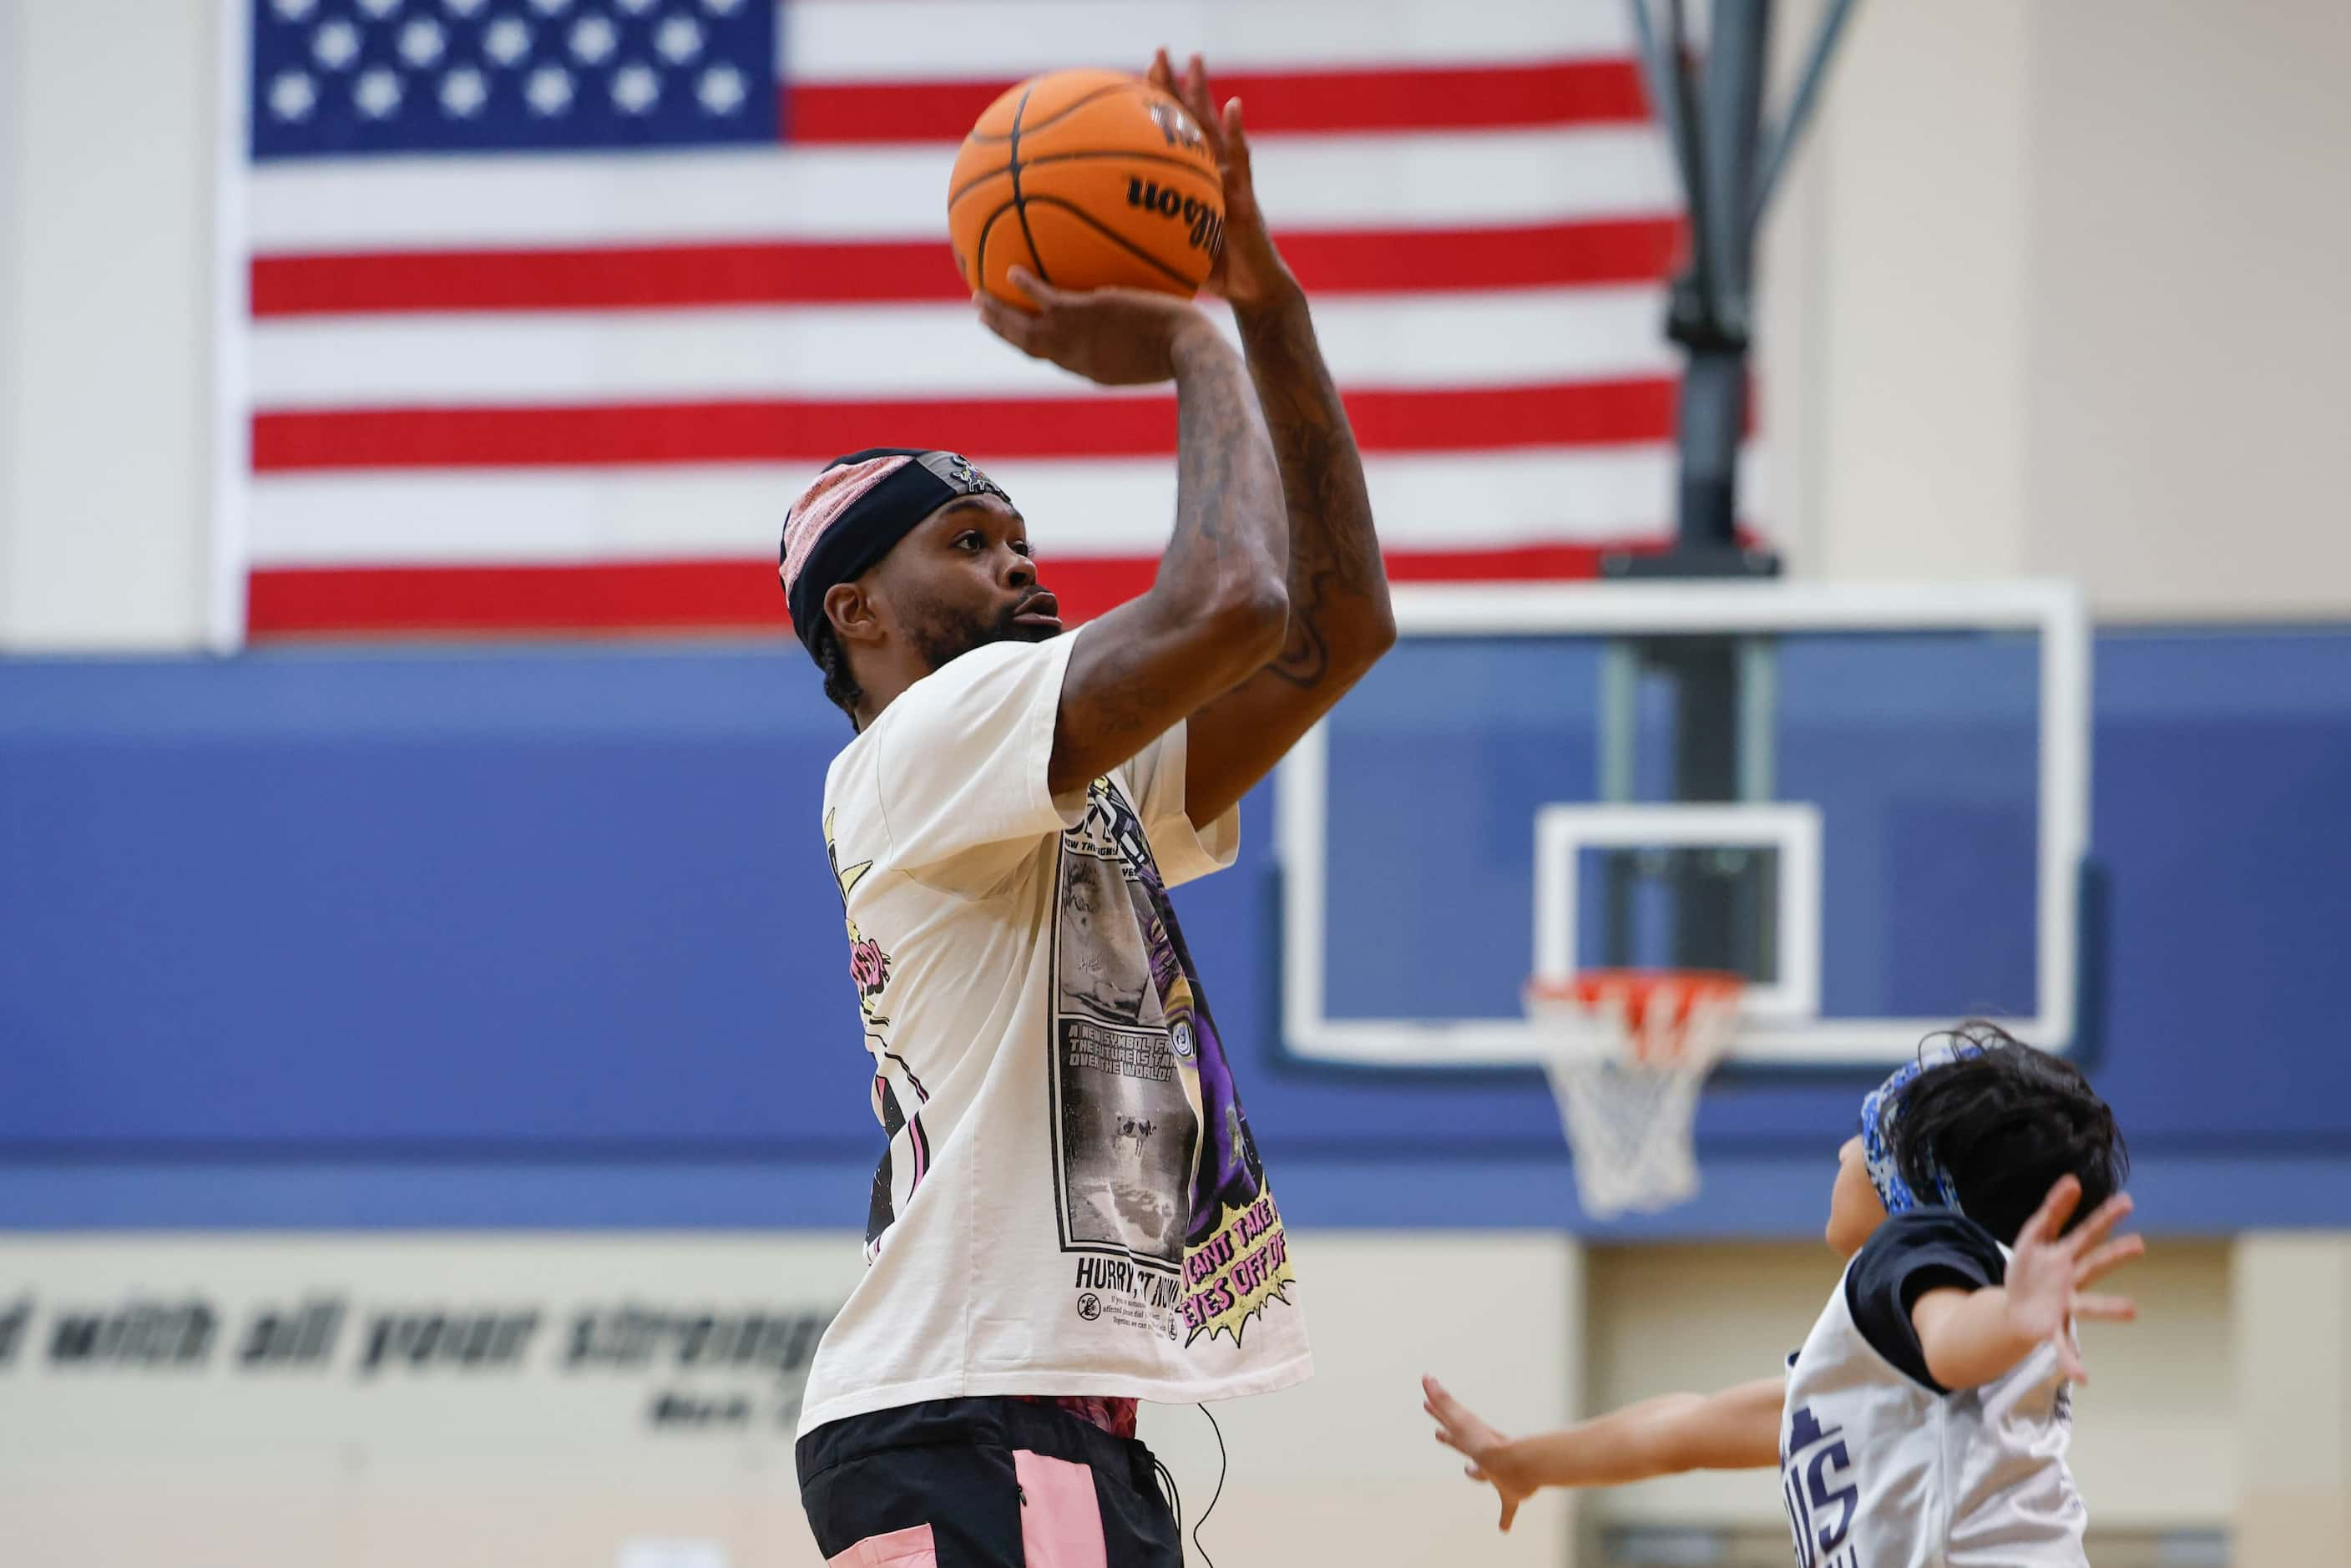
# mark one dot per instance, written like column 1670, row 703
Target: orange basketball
column 1087, row 178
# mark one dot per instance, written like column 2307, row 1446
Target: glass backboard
column 1899, row 841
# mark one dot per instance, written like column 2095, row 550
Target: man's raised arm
column 1215, row 613
column 1339, row 621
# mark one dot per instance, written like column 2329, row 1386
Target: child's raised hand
column 1488, row 1451
column 2047, row 1271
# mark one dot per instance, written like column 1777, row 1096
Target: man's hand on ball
column 1115, row 336
column 1248, row 271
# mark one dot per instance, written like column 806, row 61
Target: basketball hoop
column 1627, row 1051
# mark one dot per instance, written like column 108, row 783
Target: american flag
column 554, row 304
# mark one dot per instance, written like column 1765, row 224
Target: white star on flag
column 593, row 39
column 550, row 90
column 336, row 45
column 292, row 95
column 636, row 88
column 463, row 92
column 679, row 39
column 720, row 91
column 507, row 40
column 422, row 42
column 376, row 92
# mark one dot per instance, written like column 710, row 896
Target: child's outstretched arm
column 1737, row 1429
column 1970, row 1337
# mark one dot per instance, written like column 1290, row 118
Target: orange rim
column 1682, row 992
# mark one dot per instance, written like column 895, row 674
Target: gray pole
column 1713, row 122
column 1712, row 310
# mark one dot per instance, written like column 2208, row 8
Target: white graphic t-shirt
column 1071, row 1203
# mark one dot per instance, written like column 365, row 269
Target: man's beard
column 941, row 636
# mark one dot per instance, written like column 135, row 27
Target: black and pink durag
column 855, row 512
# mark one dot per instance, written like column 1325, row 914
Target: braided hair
column 839, row 682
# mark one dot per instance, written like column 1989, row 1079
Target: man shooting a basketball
column 1003, row 831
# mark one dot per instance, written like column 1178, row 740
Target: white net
column 1628, row 1053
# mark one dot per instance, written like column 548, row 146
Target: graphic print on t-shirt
column 1818, row 1485
column 906, row 1157
column 1157, row 1177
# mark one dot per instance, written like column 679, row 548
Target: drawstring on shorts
column 1166, row 1480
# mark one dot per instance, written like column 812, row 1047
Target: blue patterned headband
column 1879, row 1112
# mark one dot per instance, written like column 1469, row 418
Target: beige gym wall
column 2056, row 291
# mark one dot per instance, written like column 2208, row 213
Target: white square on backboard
column 1791, row 829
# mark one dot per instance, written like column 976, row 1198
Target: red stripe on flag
column 728, row 595
column 1400, row 99
column 1571, row 413
column 306, row 601
column 788, row 272
column 1535, row 255
column 785, row 272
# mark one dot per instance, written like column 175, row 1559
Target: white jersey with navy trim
column 1880, row 1469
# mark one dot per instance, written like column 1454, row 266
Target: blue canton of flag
column 335, row 77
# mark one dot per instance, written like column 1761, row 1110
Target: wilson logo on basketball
column 1206, row 226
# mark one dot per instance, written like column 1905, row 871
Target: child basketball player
column 1925, row 1420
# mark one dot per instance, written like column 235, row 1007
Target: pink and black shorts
column 982, row 1484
